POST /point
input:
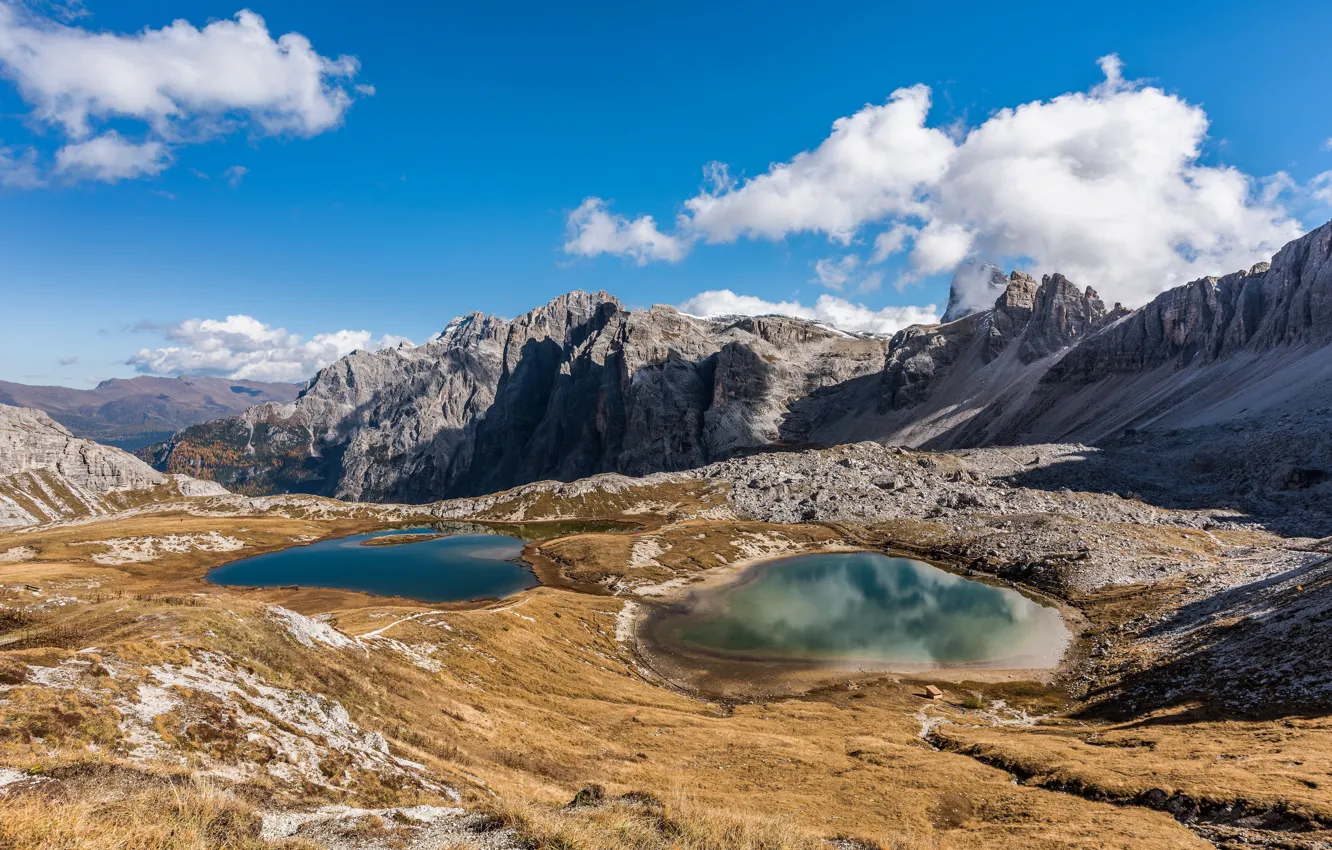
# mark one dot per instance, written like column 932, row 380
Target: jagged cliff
column 582, row 386
column 1049, row 363
column 575, row 387
column 46, row 473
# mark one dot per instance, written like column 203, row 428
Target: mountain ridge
column 47, row 474
column 581, row 385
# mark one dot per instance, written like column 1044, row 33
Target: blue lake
column 455, row 567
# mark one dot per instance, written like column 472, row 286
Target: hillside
column 132, row 412
column 47, row 474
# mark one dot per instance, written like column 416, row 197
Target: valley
column 600, row 578
column 472, row 426
column 1184, row 714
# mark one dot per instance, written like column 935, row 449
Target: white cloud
column 1321, row 188
column 940, row 246
column 871, row 166
column 594, row 231
column 110, row 158
column 1107, row 186
column 235, row 174
column 18, row 169
column 183, row 83
column 829, row 309
column 846, row 272
column 243, row 347
column 892, row 241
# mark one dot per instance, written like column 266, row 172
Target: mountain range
column 582, row 386
column 134, row 412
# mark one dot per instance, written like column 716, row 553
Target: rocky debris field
column 1082, row 540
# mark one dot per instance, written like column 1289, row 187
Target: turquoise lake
column 864, row 607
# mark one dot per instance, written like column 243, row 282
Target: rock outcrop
column 576, row 387
column 46, row 473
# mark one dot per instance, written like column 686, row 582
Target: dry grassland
column 520, row 704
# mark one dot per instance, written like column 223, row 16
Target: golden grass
column 150, row 814
column 535, row 700
column 640, row 821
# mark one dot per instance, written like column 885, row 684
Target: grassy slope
column 533, row 699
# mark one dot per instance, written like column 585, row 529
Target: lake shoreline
column 747, row 675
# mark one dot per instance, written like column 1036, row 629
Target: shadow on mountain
column 561, row 414
column 1275, row 478
column 1256, row 651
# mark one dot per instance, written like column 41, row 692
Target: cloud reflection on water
column 865, row 605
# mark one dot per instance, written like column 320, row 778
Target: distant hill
column 133, row 412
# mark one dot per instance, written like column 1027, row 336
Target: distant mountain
column 582, row 386
column 48, row 474
column 134, row 412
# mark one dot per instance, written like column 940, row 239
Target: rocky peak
column 1287, row 302
column 1060, row 315
column 1012, row 311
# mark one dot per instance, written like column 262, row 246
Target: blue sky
column 449, row 188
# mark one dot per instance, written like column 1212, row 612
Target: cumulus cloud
column 243, row 347
column 828, row 309
column 182, row 83
column 110, row 158
column 1108, row 186
column 593, row 231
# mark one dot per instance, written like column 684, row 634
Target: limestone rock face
column 1033, row 320
column 48, row 474
column 1011, row 313
column 30, row 440
column 1060, row 315
column 582, row 386
column 576, row 387
column 1285, row 303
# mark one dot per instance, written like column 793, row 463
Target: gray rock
column 48, row 474
column 576, row 387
